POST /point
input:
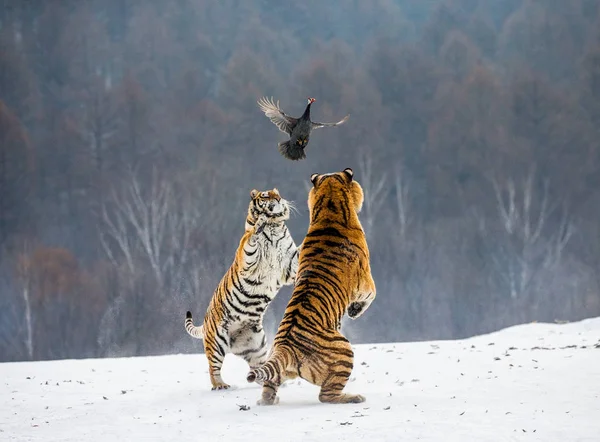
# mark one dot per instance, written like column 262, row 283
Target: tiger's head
column 329, row 188
column 269, row 203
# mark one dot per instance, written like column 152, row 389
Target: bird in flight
column 298, row 129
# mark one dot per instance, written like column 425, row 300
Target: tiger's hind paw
column 343, row 398
column 222, row 386
column 270, row 401
column 356, row 398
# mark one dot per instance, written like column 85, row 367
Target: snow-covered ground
column 529, row 382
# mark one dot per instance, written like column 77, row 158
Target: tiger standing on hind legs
column 334, row 277
column 266, row 259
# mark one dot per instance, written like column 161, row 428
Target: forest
column 130, row 140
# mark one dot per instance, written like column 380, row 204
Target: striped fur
column 266, row 259
column 334, row 277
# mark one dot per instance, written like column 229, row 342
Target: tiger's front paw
column 260, row 224
column 355, row 309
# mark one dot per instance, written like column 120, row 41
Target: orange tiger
column 266, row 259
column 334, row 277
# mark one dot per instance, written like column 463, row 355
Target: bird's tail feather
column 291, row 152
column 193, row 331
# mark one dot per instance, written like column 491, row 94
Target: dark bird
column 298, row 129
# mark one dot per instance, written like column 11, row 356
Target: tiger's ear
column 313, row 178
column 253, row 193
column 349, row 173
column 275, row 191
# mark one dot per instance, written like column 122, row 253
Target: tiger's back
column 334, row 277
column 266, row 259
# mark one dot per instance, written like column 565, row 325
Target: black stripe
column 251, row 350
column 326, row 231
column 332, row 207
column 317, row 207
column 337, row 177
column 267, row 236
column 315, row 291
column 333, row 386
column 253, row 282
column 238, row 311
column 252, row 253
column 335, row 286
column 245, row 303
column 311, row 308
column 327, row 270
column 314, row 252
column 235, row 281
column 220, row 348
column 346, row 213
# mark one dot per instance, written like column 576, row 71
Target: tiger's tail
column 193, row 331
column 273, row 369
column 290, row 151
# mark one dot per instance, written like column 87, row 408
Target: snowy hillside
column 530, row 382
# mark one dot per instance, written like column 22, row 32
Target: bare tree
column 16, row 307
column 527, row 243
column 414, row 251
column 374, row 184
column 25, row 276
column 402, row 189
column 90, row 91
column 151, row 227
column 138, row 225
column 15, row 342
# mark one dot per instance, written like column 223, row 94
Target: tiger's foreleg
column 260, row 224
column 290, row 268
column 251, row 255
column 337, row 376
column 364, row 296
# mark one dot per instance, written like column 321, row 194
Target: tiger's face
column 338, row 186
column 269, row 203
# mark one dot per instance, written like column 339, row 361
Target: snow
column 528, row 382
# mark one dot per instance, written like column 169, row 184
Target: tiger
column 334, row 277
column 266, row 259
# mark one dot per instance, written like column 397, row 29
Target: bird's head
column 311, row 100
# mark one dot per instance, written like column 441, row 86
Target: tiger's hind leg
column 251, row 345
column 279, row 368
column 337, row 376
column 215, row 352
column 269, row 394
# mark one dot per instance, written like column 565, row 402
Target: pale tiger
column 266, row 259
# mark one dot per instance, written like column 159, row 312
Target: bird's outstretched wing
column 284, row 122
column 316, row 125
